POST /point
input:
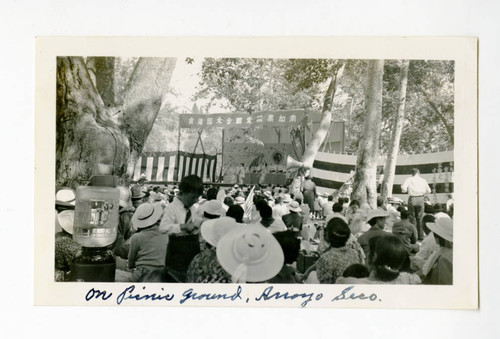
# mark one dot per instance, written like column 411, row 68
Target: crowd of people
column 195, row 233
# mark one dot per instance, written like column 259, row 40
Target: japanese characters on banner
column 242, row 120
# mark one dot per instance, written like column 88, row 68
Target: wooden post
column 222, row 156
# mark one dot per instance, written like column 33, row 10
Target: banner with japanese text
column 242, row 120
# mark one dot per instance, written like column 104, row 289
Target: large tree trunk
column 103, row 71
column 397, row 128
column 325, row 122
column 365, row 186
column 88, row 133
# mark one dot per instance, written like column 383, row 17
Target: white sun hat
column 66, row 219
column 213, row 230
column 146, row 215
column 250, row 254
column 442, row 227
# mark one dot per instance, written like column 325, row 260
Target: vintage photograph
column 304, row 171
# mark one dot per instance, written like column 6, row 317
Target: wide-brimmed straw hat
column 65, row 197
column 442, row 227
column 213, row 207
column 287, row 198
column 65, row 220
column 294, row 207
column 146, row 215
column 137, row 192
column 376, row 213
column 250, row 254
column 213, row 230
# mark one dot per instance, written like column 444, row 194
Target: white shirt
column 415, row 186
column 279, row 211
column 173, row 216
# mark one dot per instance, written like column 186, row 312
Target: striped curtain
column 162, row 166
column 331, row 170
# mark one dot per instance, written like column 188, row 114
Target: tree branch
column 434, row 107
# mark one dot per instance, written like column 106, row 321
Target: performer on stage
column 240, row 174
column 417, row 187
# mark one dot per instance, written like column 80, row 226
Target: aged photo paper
column 457, row 173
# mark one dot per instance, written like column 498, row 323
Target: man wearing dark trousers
column 416, row 187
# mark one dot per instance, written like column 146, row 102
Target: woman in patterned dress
column 335, row 260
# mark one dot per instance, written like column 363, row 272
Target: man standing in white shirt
column 416, row 187
column 178, row 216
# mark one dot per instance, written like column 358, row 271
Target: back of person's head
column 428, row 209
column 277, row 200
column 356, row 271
column 437, row 208
column 259, row 204
column 415, row 171
column 257, row 198
column 212, row 193
column 191, row 184
column 337, row 207
column 337, row 232
column 265, row 211
column 330, row 197
column 236, row 212
column 289, row 244
column 228, row 201
column 387, row 256
column 405, row 214
column 354, row 202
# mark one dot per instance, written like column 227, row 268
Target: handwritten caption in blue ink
column 269, row 293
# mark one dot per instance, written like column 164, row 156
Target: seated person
column 406, row 232
column 334, row 261
column 267, row 220
column 205, row 267
column 386, row 262
column 66, row 248
column 293, row 220
column 146, row 257
column 438, row 269
column 290, row 246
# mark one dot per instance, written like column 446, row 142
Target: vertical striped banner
column 161, row 166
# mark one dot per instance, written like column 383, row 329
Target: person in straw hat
column 146, row 257
column 65, row 247
column 205, row 268
column 293, row 220
column 438, row 269
column 250, row 254
column 376, row 219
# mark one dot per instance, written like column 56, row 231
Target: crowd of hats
column 249, row 253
